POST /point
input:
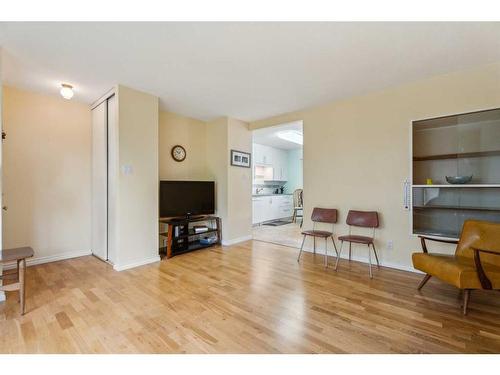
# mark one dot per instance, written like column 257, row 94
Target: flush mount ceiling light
column 293, row 136
column 66, row 91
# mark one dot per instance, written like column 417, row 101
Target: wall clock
column 178, row 153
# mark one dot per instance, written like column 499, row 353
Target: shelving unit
column 458, row 186
column 456, row 208
column 463, row 155
column 180, row 237
column 458, row 145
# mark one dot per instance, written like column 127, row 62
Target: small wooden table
column 19, row 255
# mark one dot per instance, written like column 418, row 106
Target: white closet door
column 100, row 181
column 112, row 179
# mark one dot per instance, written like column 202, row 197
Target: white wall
column 46, row 174
column 295, row 170
column 137, row 190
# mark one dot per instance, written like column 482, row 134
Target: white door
column 112, row 178
column 100, row 181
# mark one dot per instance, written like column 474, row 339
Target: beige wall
column 217, row 170
column 190, row 133
column 2, row 294
column 46, row 174
column 357, row 151
column 239, row 183
column 137, row 216
column 233, row 184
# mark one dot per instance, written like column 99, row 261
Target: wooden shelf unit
column 463, row 155
column 181, row 238
column 458, row 186
column 456, row 208
column 437, row 151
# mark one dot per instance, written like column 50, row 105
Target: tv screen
column 183, row 198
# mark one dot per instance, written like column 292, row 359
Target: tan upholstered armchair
column 475, row 264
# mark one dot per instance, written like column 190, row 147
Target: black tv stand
column 181, row 237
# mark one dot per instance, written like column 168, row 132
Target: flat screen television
column 187, row 198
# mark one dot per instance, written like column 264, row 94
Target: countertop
column 270, row 195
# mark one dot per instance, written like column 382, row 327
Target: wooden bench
column 19, row 255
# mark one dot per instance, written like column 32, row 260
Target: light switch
column 127, row 169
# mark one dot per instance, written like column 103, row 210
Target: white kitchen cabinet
column 285, row 206
column 271, row 207
column 280, row 165
column 258, row 209
column 262, row 154
column 276, row 158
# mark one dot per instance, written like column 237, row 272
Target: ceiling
column 269, row 136
column 247, row 70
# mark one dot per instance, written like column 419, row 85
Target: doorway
column 277, row 184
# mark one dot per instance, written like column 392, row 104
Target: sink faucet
column 258, row 190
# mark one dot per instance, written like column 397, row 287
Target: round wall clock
column 178, row 153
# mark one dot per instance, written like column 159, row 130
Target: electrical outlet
column 390, row 245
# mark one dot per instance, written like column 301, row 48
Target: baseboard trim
column 49, row 259
column 142, row 262
column 345, row 256
column 236, row 240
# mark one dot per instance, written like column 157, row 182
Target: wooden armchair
column 475, row 264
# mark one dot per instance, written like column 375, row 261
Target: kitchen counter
column 269, row 195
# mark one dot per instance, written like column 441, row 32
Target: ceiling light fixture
column 293, row 136
column 66, row 91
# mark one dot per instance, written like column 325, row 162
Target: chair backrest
column 482, row 235
column 365, row 219
column 324, row 215
column 297, row 198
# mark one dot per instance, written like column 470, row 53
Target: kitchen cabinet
column 258, row 209
column 263, row 154
column 270, row 157
column 280, row 165
column 271, row 207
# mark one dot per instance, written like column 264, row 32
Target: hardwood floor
column 242, row 299
column 287, row 235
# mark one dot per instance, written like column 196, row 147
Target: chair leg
column 326, row 252
column 350, row 251
column 314, row 245
column 18, row 279
column 22, row 293
column 338, row 257
column 376, row 257
column 335, row 246
column 466, row 300
column 424, row 281
column 301, row 247
column 370, row 262
column 294, row 216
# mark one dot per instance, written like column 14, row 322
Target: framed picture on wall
column 240, row 159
